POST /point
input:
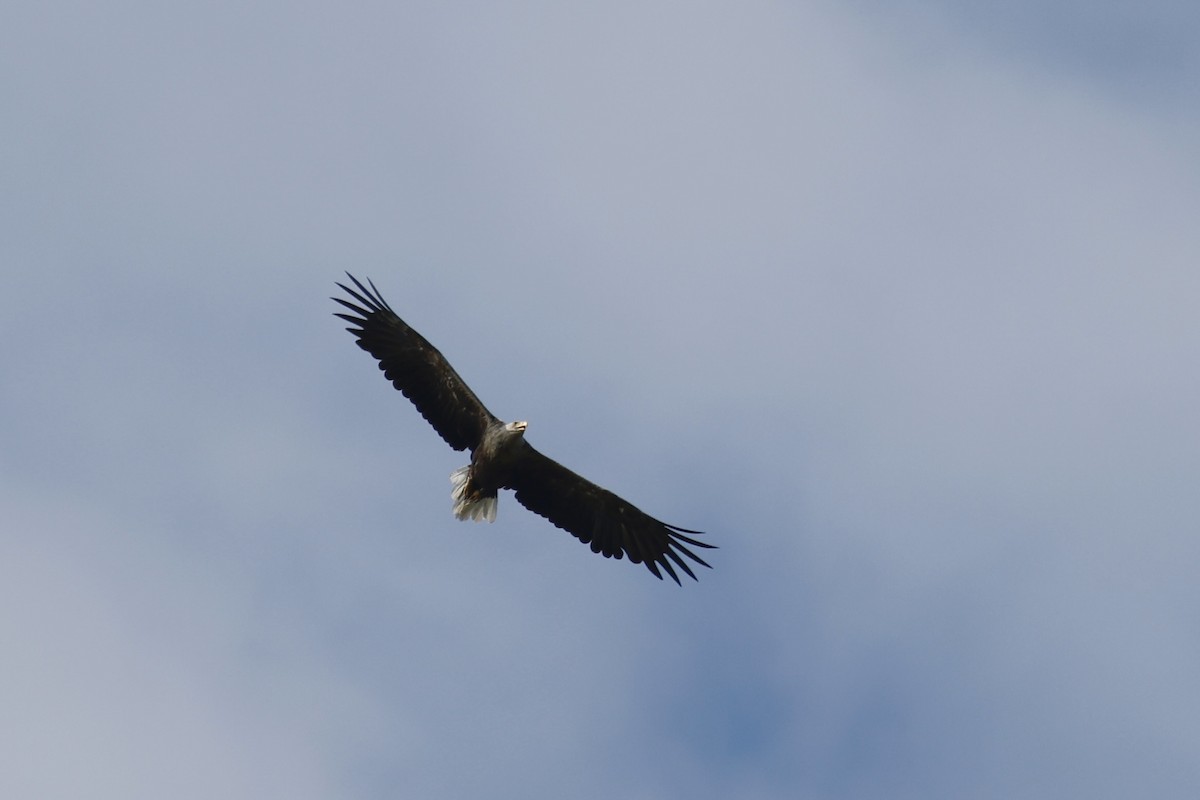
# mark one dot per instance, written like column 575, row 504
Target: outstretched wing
column 416, row 368
column 596, row 516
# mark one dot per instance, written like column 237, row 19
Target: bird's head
column 517, row 427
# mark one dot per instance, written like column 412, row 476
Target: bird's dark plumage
column 417, row 369
column 500, row 456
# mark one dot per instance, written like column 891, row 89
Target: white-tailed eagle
column 500, row 456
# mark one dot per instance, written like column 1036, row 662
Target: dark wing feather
column 416, row 368
column 596, row 516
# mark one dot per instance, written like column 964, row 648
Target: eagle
column 501, row 458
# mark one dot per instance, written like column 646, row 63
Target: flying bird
column 501, row 458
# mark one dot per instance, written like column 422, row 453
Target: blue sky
column 898, row 303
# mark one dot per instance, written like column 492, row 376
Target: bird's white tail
column 467, row 504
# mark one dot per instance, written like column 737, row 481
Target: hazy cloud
column 904, row 317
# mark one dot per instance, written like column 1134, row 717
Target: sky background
column 898, row 301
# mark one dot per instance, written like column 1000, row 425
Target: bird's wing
column 596, row 516
column 416, row 368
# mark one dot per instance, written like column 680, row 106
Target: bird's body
column 477, row 485
column 501, row 458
